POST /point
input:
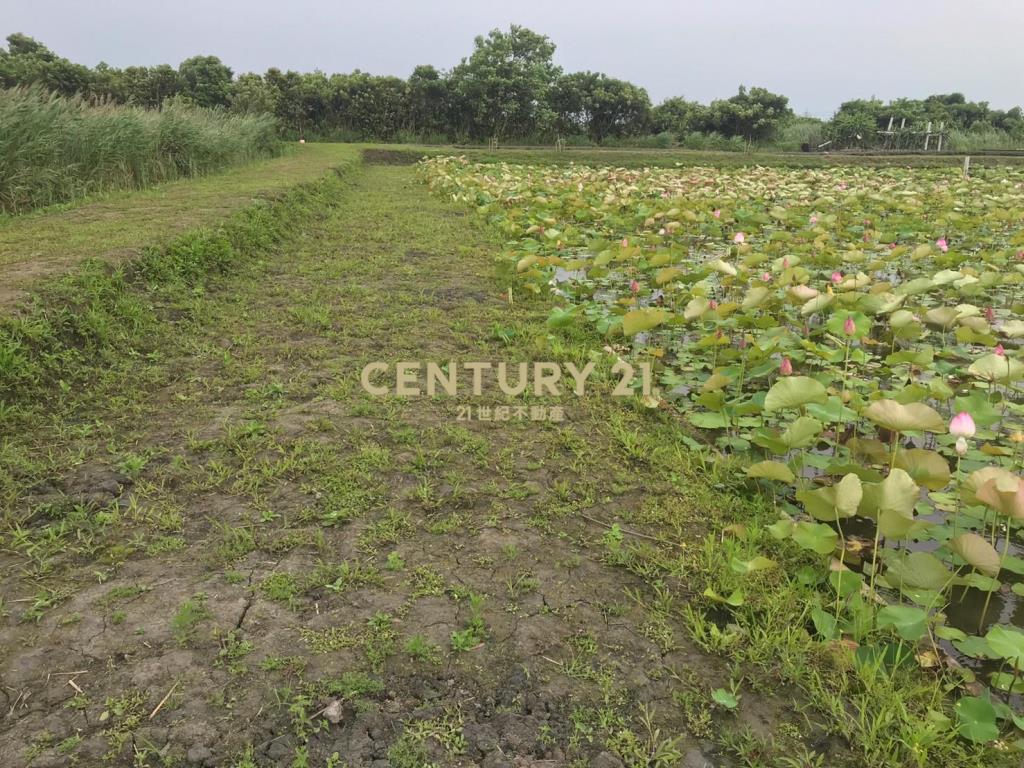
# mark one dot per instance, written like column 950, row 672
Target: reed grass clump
column 54, row 149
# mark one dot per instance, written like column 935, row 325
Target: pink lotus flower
column 999, row 350
column 717, row 213
column 892, row 246
column 739, row 237
column 634, row 287
column 713, row 304
column 842, row 185
column 766, row 277
column 962, row 425
column 786, row 367
column 941, row 244
column 849, row 327
column 837, row 277
column 814, row 220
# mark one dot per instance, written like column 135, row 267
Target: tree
column 755, row 115
column 429, row 104
column 287, row 90
column 206, row 81
column 503, row 86
column 252, row 94
column 855, row 123
column 161, row 83
column 29, row 61
column 146, row 87
column 23, row 45
column 678, row 116
column 368, row 105
column 598, row 105
column 107, row 83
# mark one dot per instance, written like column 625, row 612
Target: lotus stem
column 842, row 559
column 842, row 404
column 956, row 507
column 988, row 597
column 874, row 554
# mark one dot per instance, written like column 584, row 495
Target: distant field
column 633, row 158
column 116, row 226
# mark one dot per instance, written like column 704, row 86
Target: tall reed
column 54, row 149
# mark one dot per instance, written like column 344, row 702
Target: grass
column 54, row 149
column 118, row 227
column 350, row 548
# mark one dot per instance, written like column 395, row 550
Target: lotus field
column 850, row 337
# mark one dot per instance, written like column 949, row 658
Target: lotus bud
column 999, row 350
column 739, row 237
column 785, row 262
column 961, row 446
column 942, row 245
column 625, row 242
column 786, row 367
column 990, row 314
column 766, row 277
column 814, row 220
column 634, row 287
column 837, row 277
column 962, row 425
column 713, row 304
column 661, row 231
column 743, row 342
column 717, row 213
column 849, row 327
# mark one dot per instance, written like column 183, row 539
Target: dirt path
column 265, row 565
column 118, row 226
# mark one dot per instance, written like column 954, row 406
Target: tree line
column 508, row 89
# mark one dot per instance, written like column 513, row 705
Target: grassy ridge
column 54, row 149
column 107, row 313
column 117, row 225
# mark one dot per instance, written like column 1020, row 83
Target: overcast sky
column 817, row 53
